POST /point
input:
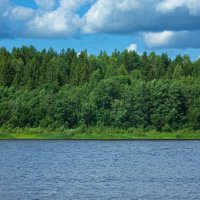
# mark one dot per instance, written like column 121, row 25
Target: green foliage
column 125, row 90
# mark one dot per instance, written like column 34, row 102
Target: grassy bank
column 95, row 133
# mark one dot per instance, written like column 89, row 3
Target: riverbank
column 95, row 134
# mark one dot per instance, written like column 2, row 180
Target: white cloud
column 160, row 23
column 130, row 16
column 47, row 21
column 46, row 4
column 61, row 22
column 193, row 6
column 58, row 23
column 157, row 39
column 21, row 13
column 132, row 47
column 71, row 5
column 110, row 16
column 172, row 39
column 127, row 5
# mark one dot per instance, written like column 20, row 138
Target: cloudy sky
column 171, row 26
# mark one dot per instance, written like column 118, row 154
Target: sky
column 171, row 26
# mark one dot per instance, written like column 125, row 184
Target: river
column 99, row 170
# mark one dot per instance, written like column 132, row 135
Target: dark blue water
column 84, row 170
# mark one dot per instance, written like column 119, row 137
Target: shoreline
column 91, row 134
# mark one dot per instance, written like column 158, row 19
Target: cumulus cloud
column 21, row 13
column 160, row 23
column 58, row 23
column 193, row 6
column 61, row 22
column 141, row 15
column 158, row 39
column 46, row 4
column 51, row 19
column 71, row 5
column 172, row 39
column 132, row 47
column 112, row 16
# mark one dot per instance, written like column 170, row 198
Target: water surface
column 91, row 170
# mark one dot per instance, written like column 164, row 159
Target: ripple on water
column 99, row 170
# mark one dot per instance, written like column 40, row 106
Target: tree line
column 122, row 90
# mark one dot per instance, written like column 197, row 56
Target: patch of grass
column 94, row 133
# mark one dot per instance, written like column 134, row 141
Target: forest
column 66, row 89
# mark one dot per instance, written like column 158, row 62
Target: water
column 87, row 170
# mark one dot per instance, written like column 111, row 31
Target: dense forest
column 123, row 90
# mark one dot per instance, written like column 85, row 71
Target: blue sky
column 154, row 25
